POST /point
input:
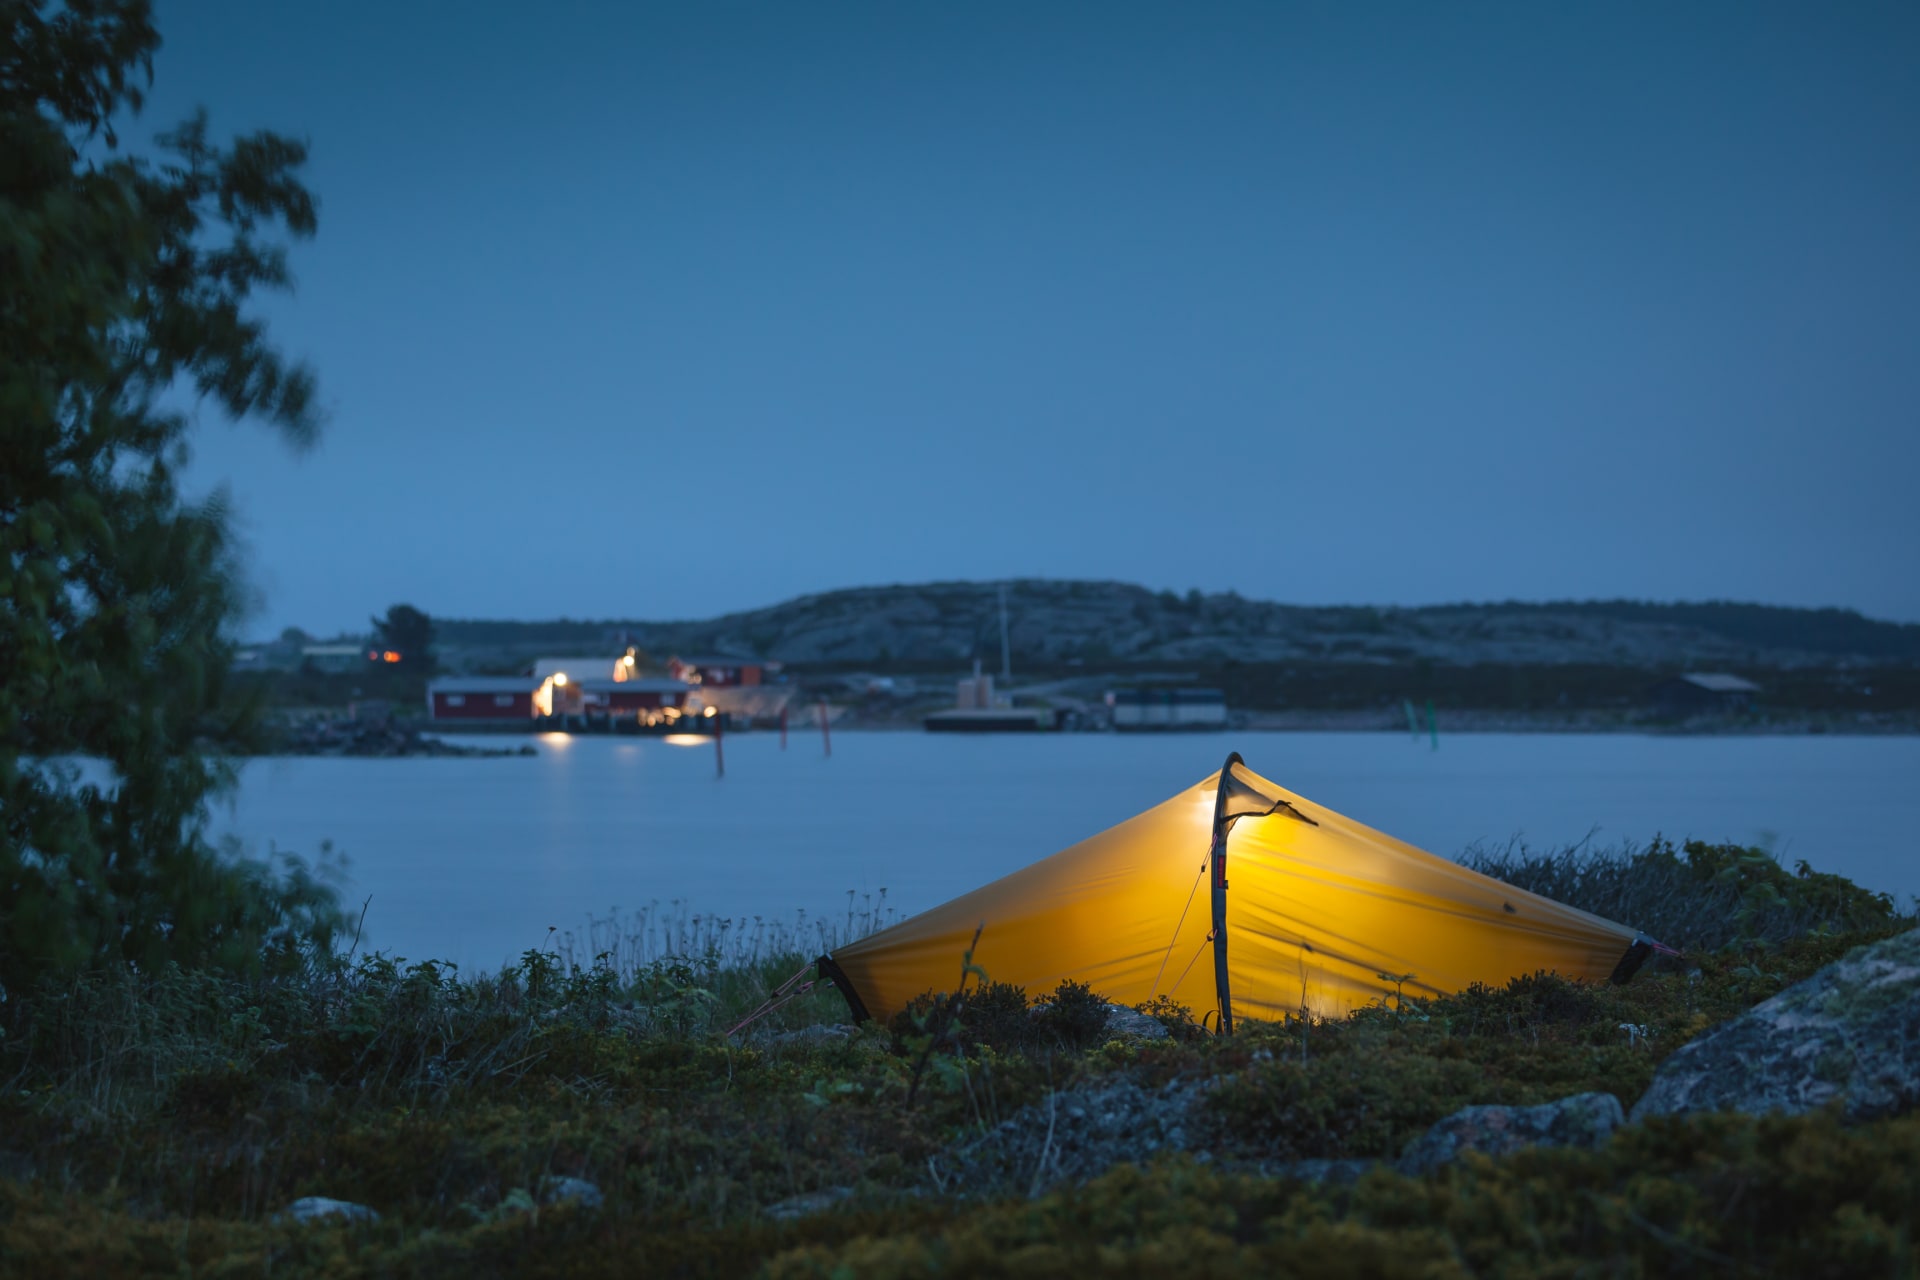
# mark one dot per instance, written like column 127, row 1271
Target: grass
column 160, row 1124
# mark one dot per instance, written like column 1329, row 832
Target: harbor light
column 560, row 679
column 710, row 712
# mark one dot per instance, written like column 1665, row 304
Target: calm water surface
column 473, row 859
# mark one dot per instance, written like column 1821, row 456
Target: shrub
column 1527, row 1002
column 1073, row 1017
column 1699, row 897
column 1345, row 1105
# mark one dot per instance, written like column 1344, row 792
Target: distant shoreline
column 1450, row 723
column 1879, row 725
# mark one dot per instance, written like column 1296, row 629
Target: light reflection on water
column 473, row 859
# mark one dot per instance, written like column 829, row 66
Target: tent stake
column 1217, row 855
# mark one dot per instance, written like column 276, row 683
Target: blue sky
column 659, row 311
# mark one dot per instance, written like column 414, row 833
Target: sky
column 660, row 311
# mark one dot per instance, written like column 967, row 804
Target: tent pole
column 1217, row 857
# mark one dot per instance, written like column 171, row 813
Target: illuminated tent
column 1307, row 911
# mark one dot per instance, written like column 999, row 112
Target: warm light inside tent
column 1317, row 910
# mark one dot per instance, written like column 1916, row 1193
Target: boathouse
column 483, row 700
column 648, row 701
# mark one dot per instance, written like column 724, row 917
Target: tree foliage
column 408, row 632
column 125, row 277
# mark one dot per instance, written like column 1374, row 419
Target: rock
column 1584, row 1120
column 1075, row 1135
column 807, row 1203
column 1851, row 1031
column 321, row 1208
column 1122, row 1021
column 577, row 1191
column 378, row 738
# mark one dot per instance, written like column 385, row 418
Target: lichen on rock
column 1849, row 1034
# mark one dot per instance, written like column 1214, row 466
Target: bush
column 998, row 1016
column 1074, row 1017
column 1701, row 896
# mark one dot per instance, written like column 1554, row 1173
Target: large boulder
column 1583, row 1120
column 1851, row 1031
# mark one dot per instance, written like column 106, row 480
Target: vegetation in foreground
column 184, row 1051
column 161, row 1123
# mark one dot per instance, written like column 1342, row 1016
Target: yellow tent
column 1307, row 910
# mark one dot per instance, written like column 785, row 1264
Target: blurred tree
column 124, row 278
column 408, row 632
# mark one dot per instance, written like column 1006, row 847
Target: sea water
column 475, row 860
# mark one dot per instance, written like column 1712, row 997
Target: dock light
column 627, row 662
column 711, row 712
column 389, row 656
column 560, row 679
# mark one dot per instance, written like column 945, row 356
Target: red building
column 476, row 700
column 628, row 698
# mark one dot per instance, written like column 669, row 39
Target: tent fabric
column 1319, row 907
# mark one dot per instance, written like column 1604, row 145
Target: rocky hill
column 1112, row 623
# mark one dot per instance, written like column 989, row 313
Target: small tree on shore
column 408, row 632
